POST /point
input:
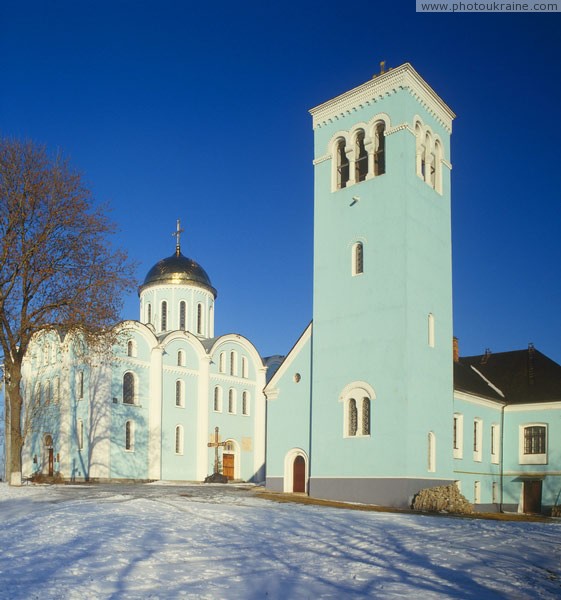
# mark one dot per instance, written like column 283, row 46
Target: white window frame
column 431, row 451
column 217, row 399
column 80, row 433
column 178, row 440
column 357, row 247
column 180, row 393
column 495, row 443
column 477, row 492
column 232, row 401
column 245, row 369
column 531, row 459
column 246, row 398
column 477, row 439
column 459, row 449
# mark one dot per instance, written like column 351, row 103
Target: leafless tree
column 58, row 268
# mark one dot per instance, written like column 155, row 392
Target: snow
column 196, row 541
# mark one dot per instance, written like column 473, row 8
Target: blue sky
column 174, row 109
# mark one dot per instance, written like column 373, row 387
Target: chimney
column 485, row 357
column 456, row 349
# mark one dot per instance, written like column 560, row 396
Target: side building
column 145, row 403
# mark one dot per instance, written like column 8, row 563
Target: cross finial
column 177, row 235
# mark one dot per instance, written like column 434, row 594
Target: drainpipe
column 501, row 458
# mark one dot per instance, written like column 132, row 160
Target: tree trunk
column 14, row 423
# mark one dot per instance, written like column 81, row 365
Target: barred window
column 353, row 417
column 182, row 315
column 128, row 388
column 366, row 416
column 534, row 439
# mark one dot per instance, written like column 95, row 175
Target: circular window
column 297, row 377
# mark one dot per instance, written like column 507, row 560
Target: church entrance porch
column 50, row 455
column 228, row 466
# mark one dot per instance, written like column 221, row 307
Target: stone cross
column 216, row 444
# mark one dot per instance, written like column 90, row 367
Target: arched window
column 182, row 312
column 128, row 388
column 80, row 385
column 217, row 399
column 164, row 316
column 48, row 392
column 365, row 425
column 179, row 439
column 431, row 330
column 379, row 149
column 357, row 267
column 149, row 313
column 199, row 318
column 179, row 393
column 357, row 400
column 129, row 436
column 180, row 358
column 361, row 157
column 245, row 403
column 420, row 150
column 353, row 417
column 431, row 458
column 342, row 165
column 222, row 363
column 438, row 155
column 233, row 363
column 244, row 367
column 231, row 401
column 80, row 433
column 130, row 348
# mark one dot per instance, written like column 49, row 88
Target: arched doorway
column 296, row 471
column 299, row 474
column 50, row 453
column 230, row 468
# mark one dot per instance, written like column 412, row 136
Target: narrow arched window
column 431, row 452
column 232, row 363
column 179, row 439
column 358, row 259
column 164, row 316
column 130, row 348
column 428, row 161
column 48, row 394
column 361, row 158
column 420, row 151
column 149, row 313
column 438, row 156
column 80, row 433
column 353, row 417
column 231, row 402
column 217, row 399
column 182, row 311
column 244, row 367
column 80, row 384
column 180, row 358
column 245, row 404
column 365, row 416
column 222, row 363
column 128, row 388
column 431, row 330
column 199, row 318
column 179, row 393
column 129, row 435
column 342, row 163
column 380, row 149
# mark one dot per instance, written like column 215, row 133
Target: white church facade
column 373, row 402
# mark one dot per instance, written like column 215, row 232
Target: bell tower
column 382, row 389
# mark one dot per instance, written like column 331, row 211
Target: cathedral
column 372, row 404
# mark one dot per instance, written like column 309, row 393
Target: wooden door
column 51, row 462
column 533, row 496
column 228, row 466
column 299, row 475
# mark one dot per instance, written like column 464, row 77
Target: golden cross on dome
column 177, row 235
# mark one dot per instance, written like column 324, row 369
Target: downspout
column 501, row 458
column 311, row 409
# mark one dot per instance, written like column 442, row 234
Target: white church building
column 373, row 402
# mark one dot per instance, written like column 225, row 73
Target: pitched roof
column 523, row 376
column 468, row 380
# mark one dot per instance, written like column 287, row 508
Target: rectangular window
column 495, row 440
column 80, row 385
column 533, row 444
column 458, row 433
column 477, row 439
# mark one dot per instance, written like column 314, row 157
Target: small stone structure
column 442, row 499
column 556, row 511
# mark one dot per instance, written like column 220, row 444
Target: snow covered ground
column 195, row 541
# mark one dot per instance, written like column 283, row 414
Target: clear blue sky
column 172, row 109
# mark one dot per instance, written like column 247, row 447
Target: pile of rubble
column 442, row 499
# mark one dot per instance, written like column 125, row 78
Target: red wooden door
column 228, row 466
column 533, row 496
column 299, row 475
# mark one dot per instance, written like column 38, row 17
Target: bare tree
column 57, row 266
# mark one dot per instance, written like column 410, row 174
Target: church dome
column 178, row 270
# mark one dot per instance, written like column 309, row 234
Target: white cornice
column 403, row 77
column 464, row 396
column 555, row 405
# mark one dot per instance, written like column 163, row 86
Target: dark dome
column 180, row 270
